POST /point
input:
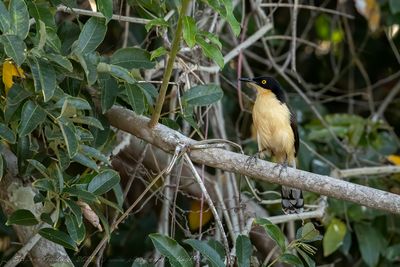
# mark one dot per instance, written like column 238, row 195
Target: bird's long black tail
column 292, row 198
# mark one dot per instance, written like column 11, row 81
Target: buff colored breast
column 272, row 122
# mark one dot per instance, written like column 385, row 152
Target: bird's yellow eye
column 264, row 81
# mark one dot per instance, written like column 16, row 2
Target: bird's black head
column 267, row 83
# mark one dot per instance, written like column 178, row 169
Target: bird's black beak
column 248, row 80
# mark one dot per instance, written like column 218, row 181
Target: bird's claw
column 282, row 166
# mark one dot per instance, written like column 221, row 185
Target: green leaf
column 75, row 209
column 334, row 236
column 217, row 246
column 39, row 166
column 244, row 249
column 44, row 184
column 106, row 8
column 85, row 161
column 32, row 116
column 109, row 91
column 136, row 97
column 202, row 95
column 89, row 63
column 116, row 71
column 394, row 6
column 103, row 182
column 308, row 233
column 94, row 153
column 189, row 31
column 42, row 11
column 69, row 134
column 392, row 253
column 310, row 262
column 58, row 237
column 60, row 61
column 75, row 231
column 44, row 77
column 19, row 18
column 92, row 35
column 76, row 102
column 169, row 248
column 273, row 231
column 132, row 58
column 80, row 193
column 156, row 22
column 88, row 121
column 42, row 34
column 206, row 251
column 5, row 18
column 14, row 47
column 22, row 217
column 211, row 51
column 7, row 134
column 158, row 52
column 60, row 179
column 213, row 38
column 371, row 243
column 235, row 25
column 291, row 259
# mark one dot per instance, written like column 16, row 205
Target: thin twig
column 85, row 12
column 315, row 8
column 381, row 170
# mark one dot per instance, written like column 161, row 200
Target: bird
column 277, row 133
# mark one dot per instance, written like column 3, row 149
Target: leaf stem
column 170, row 64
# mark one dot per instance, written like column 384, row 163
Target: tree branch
column 167, row 139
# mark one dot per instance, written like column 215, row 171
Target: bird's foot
column 253, row 158
column 282, row 167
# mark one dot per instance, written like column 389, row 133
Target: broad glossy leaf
column 308, row 233
column 42, row 11
column 39, row 166
column 211, row 51
column 291, row 259
column 92, row 35
column 109, row 91
column 80, row 193
column 189, row 31
column 69, row 134
column 273, row 231
column 94, row 153
column 76, row 231
column 14, row 47
column 91, row 121
column 169, row 248
column 310, row 262
column 371, row 243
column 202, row 95
column 46, row 184
column 89, row 63
column 76, row 102
column 85, row 161
column 58, row 237
column 116, row 71
column 75, row 209
column 32, row 116
column 103, row 182
column 206, row 251
column 106, row 8
column 7, row 134
column 19, row 18
column 244, row 249
column 334, row 236
column 5, row 18
column 60, row 61
column 136, row 97
column 132, row 58
column 44, row 77
column 22, row 217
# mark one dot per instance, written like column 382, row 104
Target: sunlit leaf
column 333, row 237
column 156, row 22
column 189, row 31
column 44, row 77
column 5, row 18
column 92, row 35
column 105, row 7
column 14, row 47
column 19, row 18
column 211, row 51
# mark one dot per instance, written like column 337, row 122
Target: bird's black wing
column 293, row 124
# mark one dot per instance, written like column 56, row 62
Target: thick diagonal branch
column 167, row 139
